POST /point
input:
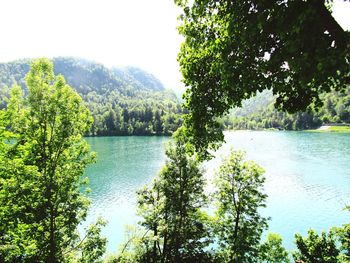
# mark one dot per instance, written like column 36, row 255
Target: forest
column 130, row 101
column 259, row 113
column 123, row 101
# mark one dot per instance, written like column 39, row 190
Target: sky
column 138, row 33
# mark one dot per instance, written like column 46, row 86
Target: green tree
column 316, row 248
column 171, row 208
column 272, row 250
column 158, row 125
column 93, row 246
column 42, row 160
column 233, row 49
column 238, row 225
column 138, row 247
column 343, row 234
column 111, row 121
column 18, row 190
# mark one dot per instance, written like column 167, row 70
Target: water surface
column 307, row 178
column 124, row 165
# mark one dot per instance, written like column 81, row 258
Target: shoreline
column 323, row 128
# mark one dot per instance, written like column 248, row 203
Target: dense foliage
column 175, row 228
column 171, row 210
column 123, row 101
column 233, row 49
column 259, row 113
column 272, row 250
column 317, row 248
column 42, row 160
column 238, row 225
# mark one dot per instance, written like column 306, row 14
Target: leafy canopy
column 272, row 250
column 233, row 49
column 175, row 227
column 316, row 248
column 239, row 196
column 42, row 160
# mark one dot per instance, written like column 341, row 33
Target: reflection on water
column 307, row 177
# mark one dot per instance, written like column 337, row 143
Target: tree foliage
column 344, row 238
column 259, row 113
column 238, row 226
column 42, row 160
column 272, row 250
column 316, row 248
column 93, row 246
column 233, row 49
column 171, row 209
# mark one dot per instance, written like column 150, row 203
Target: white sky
column 113, row 32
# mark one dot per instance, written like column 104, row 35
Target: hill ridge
column 123, row 101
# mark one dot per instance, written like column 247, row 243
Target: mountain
column 254, row 104
column 85, row 76
column 138, row 78
column 123, row 101
column 259, row 113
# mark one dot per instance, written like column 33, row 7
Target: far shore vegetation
column 336, row 129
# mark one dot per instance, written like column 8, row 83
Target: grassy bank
column 343, row 129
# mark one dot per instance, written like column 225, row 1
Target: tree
column 18, row 190
column 93, row 246
column 111, row 121
column 42, row 160
column 158, row 125
column 343, row 234
column 233, row 49
column 272, row 251
column 171, row 208
column 316, row 248
column 238, row 225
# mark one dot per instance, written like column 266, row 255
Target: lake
column 307, row 178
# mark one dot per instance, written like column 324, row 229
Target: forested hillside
column 259, row 113
column 130, row 101
column 123, row 101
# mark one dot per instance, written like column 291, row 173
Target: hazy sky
column 113, row 32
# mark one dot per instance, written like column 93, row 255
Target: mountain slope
column 123, row 101
column 138, row 78
column 259, row 113
column 85, row 76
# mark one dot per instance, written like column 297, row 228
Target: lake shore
column 332, row 128
column 323, row 128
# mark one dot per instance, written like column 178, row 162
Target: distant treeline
column 130, row 101
column 259, row 113
column 156, row 114
column 123, row 101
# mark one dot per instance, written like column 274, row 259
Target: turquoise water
column 307, row 178
column 124, row 164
